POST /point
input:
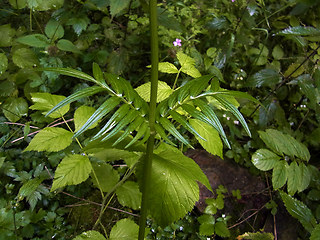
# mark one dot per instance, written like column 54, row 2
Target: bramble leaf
column 81, row 116
column 164, row 91
column 280, row 174
column 264, row 160
column 51, row 139
column 90, row 235
column 107, row 176
column 124, row 229
column 72, row 170
column 167, row 67
column 129, row 195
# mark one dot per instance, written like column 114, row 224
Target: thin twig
column 20, row 124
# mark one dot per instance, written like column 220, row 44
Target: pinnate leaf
column 51, row 139
column 72, row 170
column 264, row 160
column 46, row 101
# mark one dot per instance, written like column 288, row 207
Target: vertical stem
column 152, row 115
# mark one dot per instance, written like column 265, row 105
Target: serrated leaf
column 213, row 143
column 279, row 174
column 29, row 187
column 300, row 31
column 51, row 139
column 129, row 195
column 3, row 63
column 264, row 160
column 305, row 177
column 6, row 36
column 54, row 30
column 167, row 67
column 24, row 58
column 299, row 211
column 206, row 224
column 116, row 6
column 174, row 185
column 44, row 5
column 90, row 235
column 66, row 45
column 15, row 108
column 46, row 101
column 107, row 176
column 72, row 170
column 187, row 65
column 284, row 144
column 81, row 116
column 294, row 178
column 315, row 234
column 86, row 92
column 265, row 77
column 164, row 91
column 221, row 229
column 124, row 229
column 257, row 236
column 34, row 40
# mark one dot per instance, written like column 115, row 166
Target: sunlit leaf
column 129, row 195
column 264, row 160
column 107, row 176
column 167, row 67
column 124, row 229
column 164, row 91
column 72, row 170
column 90, row 235
column 81, row 116
column 300, row 31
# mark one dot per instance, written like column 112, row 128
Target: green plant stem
column 147, row 161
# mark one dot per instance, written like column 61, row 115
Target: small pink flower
column 233, row 0
column 177, row 42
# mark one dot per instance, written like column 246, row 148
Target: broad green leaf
column 187, row 65
column 44, row 5
column 257, row 236
column 216, row 73
column 18, row 4
column 2, row 161
column 46, row 101
column 89, row 91
column 3, row 63
column 165, row 18
column 124, row 229
column 206, row 224
column 90, row 235
column 265, row 77
column 307, row 87
column 97, row 73
column 129, row 195
column 284, row 144
column 315, row 234
column 174, row 185
column 15, row 108
column 167, row 67
column 221, row 229
column 107, row 176
column 237, row 94
column 299, row 211
column 6, row 36
column 51, row 139
column 305, row 177
column 81, row 116
column 191, row 71
column 54, row 30
column 294, row 70
column 294, row 178
column 277, row 52
column 280, row 174
column 7, row 88
column 300, row 31
column 213, row 143
column 72, row 170
column 34, row 40
column 116, row 6
column 29, row 187
column 66, row 45
column 264, row 160
column 79, row 23
column 24, row 58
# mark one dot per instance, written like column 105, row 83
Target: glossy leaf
column 72, row 170
column 300, row 31
column 129, row 195
column 213, row 143
column 107, row 176
column 280, row 174
column 265, row 77
column 174, row 185
column 68, row 46
column 15, row 108
column 300, row 211
column 264, row 160
column 25, row 58
column 284, row 144
column 46, row 101
column 86, row 92
column 51, row 139
column 34, row 40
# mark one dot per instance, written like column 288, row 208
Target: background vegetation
column 269, row 49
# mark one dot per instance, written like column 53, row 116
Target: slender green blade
column 143, row 129
column 235, row 112
column 97, row 73
column 163, row 134
column 75, row 96
column 104, row 109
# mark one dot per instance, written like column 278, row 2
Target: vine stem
column 147, row 161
